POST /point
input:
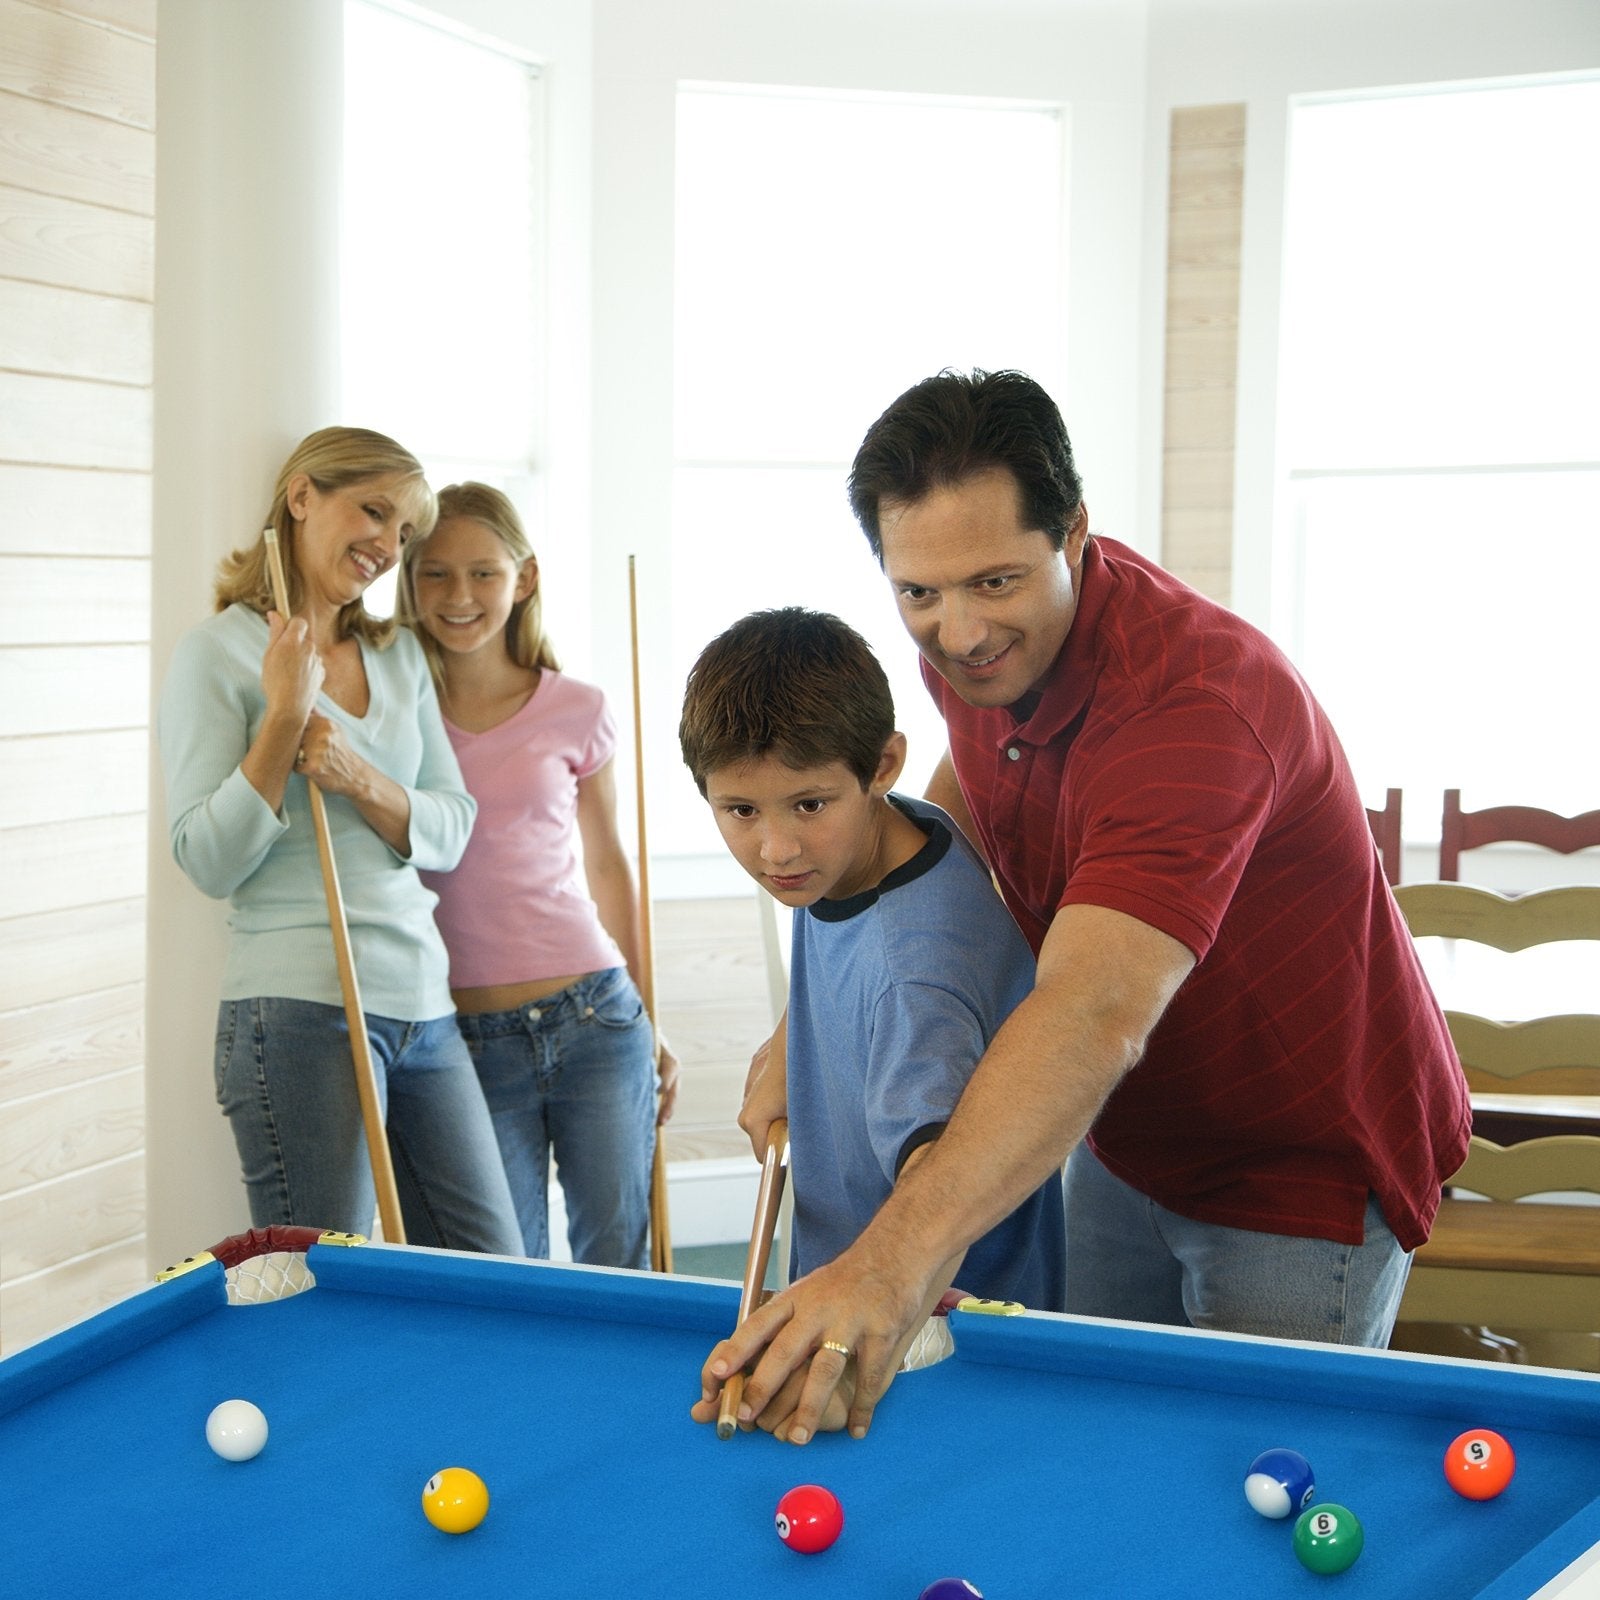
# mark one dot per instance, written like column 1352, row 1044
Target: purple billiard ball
column 951, row 1589
column 1280, row 1483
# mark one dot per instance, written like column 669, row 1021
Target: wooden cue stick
column 768, row 1199
column 382, row 1163
column 660, row 1220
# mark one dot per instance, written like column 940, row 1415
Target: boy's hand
column 766, row 1090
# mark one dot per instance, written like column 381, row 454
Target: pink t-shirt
column 517, row 908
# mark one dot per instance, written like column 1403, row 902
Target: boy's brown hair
column 796, row 684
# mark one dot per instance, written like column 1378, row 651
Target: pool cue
column 660, row 1222
column 394, row 1230
column 769, row 1198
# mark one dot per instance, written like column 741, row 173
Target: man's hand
column 779, row 1417
column 866, row 1305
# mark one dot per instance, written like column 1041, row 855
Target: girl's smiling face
column 466, row 583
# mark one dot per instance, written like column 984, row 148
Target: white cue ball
column 236, row 1430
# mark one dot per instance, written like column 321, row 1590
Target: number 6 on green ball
column 1328, row 1538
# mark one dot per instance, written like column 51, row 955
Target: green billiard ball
column 1328, row 1538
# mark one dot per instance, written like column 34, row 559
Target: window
column 1439, row 540
column 832, row 250
column 441, row 265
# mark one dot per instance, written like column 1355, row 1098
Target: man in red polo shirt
column 1229, row 1029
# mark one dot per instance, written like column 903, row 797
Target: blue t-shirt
column 894, row 994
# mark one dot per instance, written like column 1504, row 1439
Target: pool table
column 1049, row 1457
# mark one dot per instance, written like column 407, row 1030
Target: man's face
column 986, row 598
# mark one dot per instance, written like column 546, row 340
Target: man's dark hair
column 954, row 425
column 800, row 685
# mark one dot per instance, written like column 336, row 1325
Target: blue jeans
column 285, row 1081
column 574, row 1075
column 1128, row 1257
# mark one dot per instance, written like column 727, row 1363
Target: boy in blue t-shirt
column 904, row 960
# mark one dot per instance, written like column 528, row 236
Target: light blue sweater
column 264, row 863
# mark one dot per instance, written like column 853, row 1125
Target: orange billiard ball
column 1479, row 1464
column 455, row 1500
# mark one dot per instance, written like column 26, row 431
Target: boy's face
column 805, row 834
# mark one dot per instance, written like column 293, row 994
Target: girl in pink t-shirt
column 544, row 957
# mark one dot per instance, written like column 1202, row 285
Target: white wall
column 1261, row 52
column 614, row 131
column 1088, row 57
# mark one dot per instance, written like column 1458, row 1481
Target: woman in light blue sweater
column 255, row 706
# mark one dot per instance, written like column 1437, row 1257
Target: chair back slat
column 1544, row 1055
column 1507, row 922
column 1472, row 830
column 1560, row 1164
column 1386, row 834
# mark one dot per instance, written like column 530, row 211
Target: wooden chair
column 1509, row 1261
column 1471, row 830
column 1385, row 825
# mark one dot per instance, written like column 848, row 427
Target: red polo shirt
column 1178, row 770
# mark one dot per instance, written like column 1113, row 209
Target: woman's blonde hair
column 333, row 458
column 526, row 640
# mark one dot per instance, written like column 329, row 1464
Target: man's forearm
column 1104, row 981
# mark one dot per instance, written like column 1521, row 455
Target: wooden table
column 1511, row 1118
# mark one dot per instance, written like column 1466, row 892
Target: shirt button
column 1014, row 753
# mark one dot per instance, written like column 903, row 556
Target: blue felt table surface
column 1051, row 1457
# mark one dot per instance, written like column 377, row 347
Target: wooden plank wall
column 1204, row 209
column 77, row 179
column 716, row 1007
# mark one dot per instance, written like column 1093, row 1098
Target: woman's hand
column 668, row 1071
column 291, row 670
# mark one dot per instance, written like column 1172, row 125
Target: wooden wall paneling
column 47, row 239
column 65, row 864
column 64, row 1042
column 1204, row 218
column 1206, row 173
column 712, row 987
column 65, row 333
column 67, row 60
column 47, row 1135
column 54, row 150
column 54, row 955
column 67, row 777
column 1195, row 420
column 137, row 17
column 74, row 600
column 74, row 512
column 75, row 689
column 42, row 1304
column 1199, row 480
column 77, row 189
column 83, row 1210
column 66, row 422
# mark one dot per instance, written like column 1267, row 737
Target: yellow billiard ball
column 455, row 1500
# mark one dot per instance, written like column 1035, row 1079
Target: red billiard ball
column 1479, row 1464
column 809, row 1518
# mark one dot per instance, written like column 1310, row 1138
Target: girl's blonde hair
column 333, row 458
column 526, row 640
